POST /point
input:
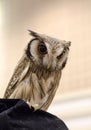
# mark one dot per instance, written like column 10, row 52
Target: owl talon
column 35, row 107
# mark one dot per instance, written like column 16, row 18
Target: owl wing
column 19, row 73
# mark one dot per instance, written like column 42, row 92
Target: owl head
column 47, row 52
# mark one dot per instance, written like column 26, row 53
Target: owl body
column 37, row 75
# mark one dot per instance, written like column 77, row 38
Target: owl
column 37, row 75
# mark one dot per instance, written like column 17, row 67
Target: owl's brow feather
column 36, row 35
column 51, row 40
column 43, row 37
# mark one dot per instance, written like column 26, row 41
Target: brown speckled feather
column 17, row 76
column 32, row 84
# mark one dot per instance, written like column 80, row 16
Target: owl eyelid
column 60, row 56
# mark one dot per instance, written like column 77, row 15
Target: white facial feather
column 55, row 48
column 34, row 49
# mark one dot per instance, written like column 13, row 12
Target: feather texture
column 37, row 75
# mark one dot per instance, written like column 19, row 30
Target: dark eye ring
column 42, row 49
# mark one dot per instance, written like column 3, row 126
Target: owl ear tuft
column 32, row 33
column 35, row 34
column 68, row 43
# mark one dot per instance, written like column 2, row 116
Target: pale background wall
column 64, row 19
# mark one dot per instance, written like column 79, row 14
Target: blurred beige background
column 64, row 19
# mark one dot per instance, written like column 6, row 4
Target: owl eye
column 60, row 56
column 42, row 49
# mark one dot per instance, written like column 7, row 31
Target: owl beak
column 48, row 66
